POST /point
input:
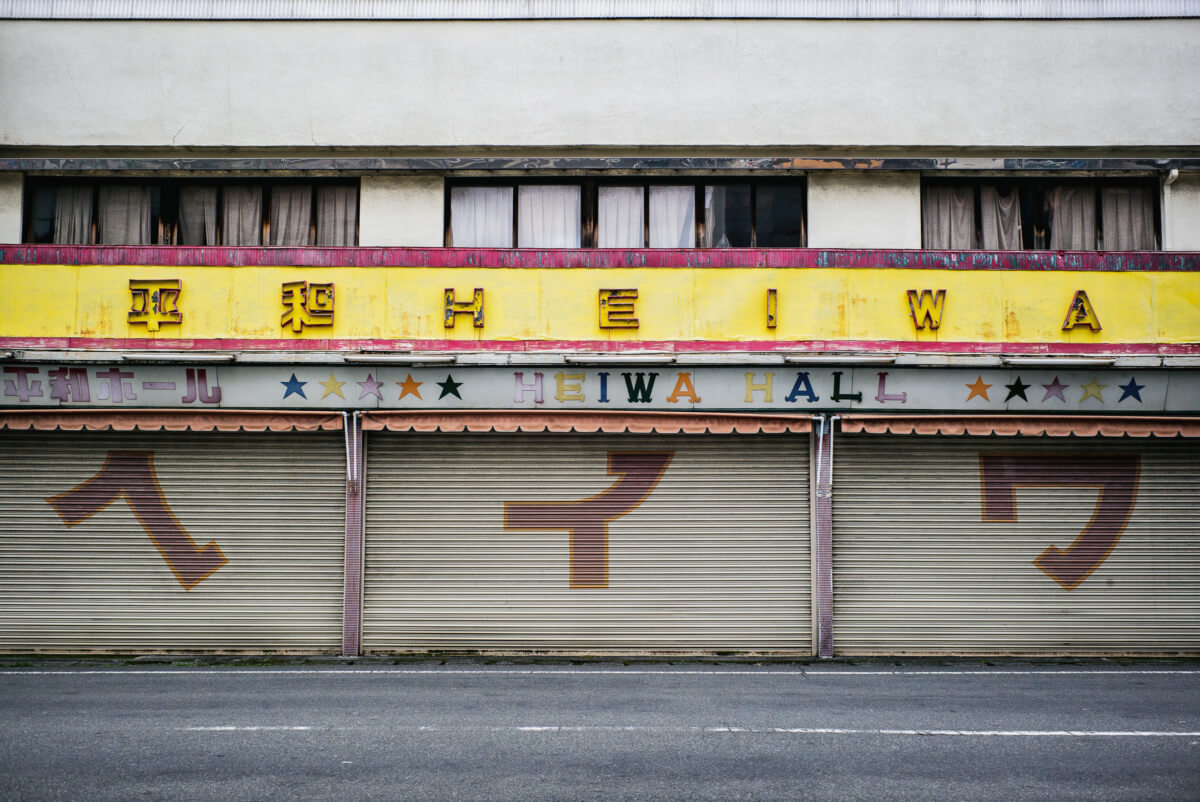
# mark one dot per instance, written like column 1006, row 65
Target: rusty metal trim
column 535, row 420
column 222, row 256
column 381, row 10
column 375, row 165
column 171, row 420
column 1025, row 425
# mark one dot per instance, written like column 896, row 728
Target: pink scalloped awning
column 1008, row 426
column 584, row 422
column 152, row 420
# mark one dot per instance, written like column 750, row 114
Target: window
column 573, row 213
column 199, row 212
column 1034, row 214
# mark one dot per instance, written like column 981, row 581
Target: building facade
column 779, row 327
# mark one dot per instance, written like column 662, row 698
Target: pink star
column 1055, row 389
column 370, row 387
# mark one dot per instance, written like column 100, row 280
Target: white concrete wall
column 401, row 210
column 11, row 196
column 601, row 82
column 1181, row 214
column 864, row 210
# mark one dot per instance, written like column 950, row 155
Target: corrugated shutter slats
column 272, row 503
column 716, row 557
column 917, row 568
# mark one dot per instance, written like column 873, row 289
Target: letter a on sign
column 587, row 520
column 1081, row 313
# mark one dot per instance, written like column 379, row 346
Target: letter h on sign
column 453, row 308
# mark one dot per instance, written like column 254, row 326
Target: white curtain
column 337, row 215
column 672, row 217
column 242, row 213
column 73, row 215
column 620, row 217
column 124, row 215
column 1072, row 218
column 715, row 235
column 291, row 213
column 548, row 216
column 948, row 218
column 1001, row 218
column 198, row 216
column 481, row 217
column 1127, row 217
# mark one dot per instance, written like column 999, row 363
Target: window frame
column 1038, row 186
column 589, row 201
column 166, row 197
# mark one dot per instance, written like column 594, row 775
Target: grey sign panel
column 751, row 388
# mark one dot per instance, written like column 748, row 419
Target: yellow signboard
column 620, row 305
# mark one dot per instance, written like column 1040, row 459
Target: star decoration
column 1017, row 390
column 449, row 387
column 410, row 387
column 332, row 387
column 978, row 389
column 293, row 387
column 370, row 387
column 1055, row 389
column 1131, row 390
column 1092, row 389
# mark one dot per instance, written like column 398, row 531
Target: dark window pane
column 727, row 216
column 43, row 215
column 780, row 216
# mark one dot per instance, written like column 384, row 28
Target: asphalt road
column 473, row 731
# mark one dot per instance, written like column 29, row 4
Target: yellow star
column 333, row 387
column 409, row 387
column 978, row 389
column 1092, row 389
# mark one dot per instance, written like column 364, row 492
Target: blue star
column 1131, row 390
column 294, row 386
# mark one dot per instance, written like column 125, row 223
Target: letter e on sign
column 617, row 309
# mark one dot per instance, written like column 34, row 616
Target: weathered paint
column 1121, row 261
column 368, row 165
column 88, row 306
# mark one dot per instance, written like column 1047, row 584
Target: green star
column 449, row 387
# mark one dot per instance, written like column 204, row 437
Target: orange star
column 409, row 387
column 978, row 389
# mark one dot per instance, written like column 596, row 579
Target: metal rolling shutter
column 918, row 569
column 715, row 558
column 273, row 504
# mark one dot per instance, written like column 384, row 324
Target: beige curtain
column 198, row 216
column 241, row 209
column 291, row 213
column 125, row 215
column 1001, row 219
column 73, row 215
column 948, row 218
column 1072, row 218
column 1127, row 218
column 337, row 215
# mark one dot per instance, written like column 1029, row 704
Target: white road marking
column 733, row 730
column 255, row 728
column 219, row 671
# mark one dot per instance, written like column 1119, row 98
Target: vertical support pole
column 353, row 553
column 823, row 483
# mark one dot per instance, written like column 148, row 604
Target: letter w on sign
column 587, row 520
column 130, row 474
